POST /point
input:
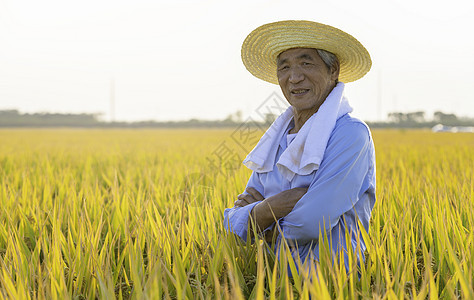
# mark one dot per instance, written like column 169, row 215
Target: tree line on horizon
column 13, row 118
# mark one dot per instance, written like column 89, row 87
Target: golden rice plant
column 134, row 214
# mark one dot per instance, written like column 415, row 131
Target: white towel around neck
column 305, row 153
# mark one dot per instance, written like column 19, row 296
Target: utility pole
column 379, row 96
column 112, row 99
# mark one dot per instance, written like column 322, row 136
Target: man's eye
column 306, row 64
column 283, row 68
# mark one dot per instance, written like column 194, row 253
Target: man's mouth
column 299, row 92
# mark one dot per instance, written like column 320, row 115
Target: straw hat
column 263, row 45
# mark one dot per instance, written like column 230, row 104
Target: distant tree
column 238, row 116
column 416, row 117
column 269, row 118
column 234, row 118
column 397, row 117
column 408, row 118
column 9, row 113
column 443, row 118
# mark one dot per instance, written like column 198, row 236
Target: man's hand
column 275, row 207
column 245, row 199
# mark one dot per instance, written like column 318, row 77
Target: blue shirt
column 340, row 192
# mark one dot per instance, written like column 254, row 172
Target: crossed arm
column 271, row 209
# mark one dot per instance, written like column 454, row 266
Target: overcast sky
column 175, row 60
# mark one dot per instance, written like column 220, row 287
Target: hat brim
column 263, row 45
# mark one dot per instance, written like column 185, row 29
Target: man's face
column 304, row 78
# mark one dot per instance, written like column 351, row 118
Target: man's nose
column 296, row 76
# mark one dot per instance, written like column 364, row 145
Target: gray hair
column 329, row 59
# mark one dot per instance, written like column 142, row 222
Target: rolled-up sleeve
column 236, row 219
column 339, row 183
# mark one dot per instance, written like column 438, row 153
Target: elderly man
column 314, row 168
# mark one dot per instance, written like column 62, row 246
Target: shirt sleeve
column 339, row 183
column 236, row 219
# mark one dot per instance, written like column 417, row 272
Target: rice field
column 138, row 214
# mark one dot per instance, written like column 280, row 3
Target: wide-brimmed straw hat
column 263, row 45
